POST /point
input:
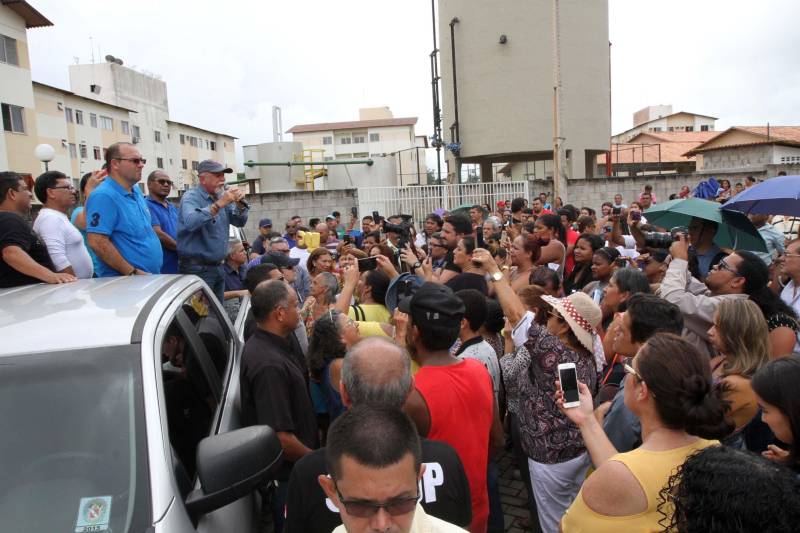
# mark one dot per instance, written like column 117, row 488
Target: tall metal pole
column 556, row 105
column 437, row 120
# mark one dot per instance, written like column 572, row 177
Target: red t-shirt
column 572, row 238
column 460, row 399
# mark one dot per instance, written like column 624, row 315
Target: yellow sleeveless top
column 652, row 470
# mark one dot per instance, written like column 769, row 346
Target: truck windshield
column 73, row 450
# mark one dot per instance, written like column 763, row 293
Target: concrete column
column 486, row 172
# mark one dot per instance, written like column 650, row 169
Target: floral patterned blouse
column 547, row 435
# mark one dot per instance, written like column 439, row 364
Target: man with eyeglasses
column 377, row 372
column 205, row 214
column 298, row 277
column 24, row 259
column 63, row 240
column 697, row 300
column 165, row 218
column 118, row 222
column 374, row 461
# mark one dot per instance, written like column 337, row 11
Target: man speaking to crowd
column 205, row 214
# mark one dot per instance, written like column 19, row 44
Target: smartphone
column 376, row 217
column 568, row 377
column 346, row 239
column 636, row 215
column 368, row 263
column 354, row 211
column 616, row 210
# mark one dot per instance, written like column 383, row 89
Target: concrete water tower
column 517, row 69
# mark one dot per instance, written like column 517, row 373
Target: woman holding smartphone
column 552, row 444
column 669, row 389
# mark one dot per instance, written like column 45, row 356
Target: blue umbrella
column 775, row 196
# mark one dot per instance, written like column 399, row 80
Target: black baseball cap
column 433, row 303
column 279, row 260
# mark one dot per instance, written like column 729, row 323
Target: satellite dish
column 110, row 58
column 118, row 61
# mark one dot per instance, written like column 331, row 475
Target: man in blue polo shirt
column 118, row 223
column 206, row 212
column 165, row 218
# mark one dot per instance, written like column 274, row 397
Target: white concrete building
column 18, row 137
column 79, row 129
column 172, row 146
column 377, row 133
column 660, row 118
column 108, row 103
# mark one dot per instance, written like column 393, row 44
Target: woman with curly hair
column 669, row 389
column 333, row 334
column 322, row 297
column 721, row 489
column 320, row 260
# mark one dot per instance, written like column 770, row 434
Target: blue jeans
column 212, row 275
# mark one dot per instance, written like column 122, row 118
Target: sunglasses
column 366, row 509
column 722, row 265
column 134, row 160
column 165, row 182
column 632, row 371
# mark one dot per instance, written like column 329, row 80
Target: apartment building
column 107, row 103
column 376, row 133
column 79, row 129
column 18, row 137
column 174, row 147
column 660, row 118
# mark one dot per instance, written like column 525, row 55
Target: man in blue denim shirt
column 206, row 212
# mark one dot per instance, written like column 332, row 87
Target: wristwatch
column 497, row 276
column 416, row 265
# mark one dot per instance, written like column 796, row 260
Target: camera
column 655, row 239
column 616, row 210
column 636, row 215
column 403, row 229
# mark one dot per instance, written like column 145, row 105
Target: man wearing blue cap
column 206, row 212
column 259, row 246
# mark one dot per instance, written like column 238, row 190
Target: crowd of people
column 397, row 359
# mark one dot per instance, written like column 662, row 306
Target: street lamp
column 44, row 153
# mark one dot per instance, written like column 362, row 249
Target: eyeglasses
column 791, row 254
column 68, row 187
column 724, row 266
column 162, row 181
column 366, row 509
column 632, row 371
column 434, row 245
column 553, row 314
column 134, row 160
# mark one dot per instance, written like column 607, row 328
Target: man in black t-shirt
column 454, row 229
column 377, row 372
column 24, row 259
column 273, row 382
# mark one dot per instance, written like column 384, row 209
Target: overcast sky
column 227, row 63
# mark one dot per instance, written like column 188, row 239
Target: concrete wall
column 505, row 91
column 281, row 206
column 744, row 158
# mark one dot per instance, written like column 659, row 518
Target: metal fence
column 419, row 201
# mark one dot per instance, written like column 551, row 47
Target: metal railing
column 419, row 201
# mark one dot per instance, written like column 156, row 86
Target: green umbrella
column 734, row 229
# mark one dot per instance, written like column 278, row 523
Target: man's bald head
column 376, row 371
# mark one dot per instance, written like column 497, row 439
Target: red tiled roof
column 678, row 136
column 785, row 135
column 353, row 125
column 628, row 153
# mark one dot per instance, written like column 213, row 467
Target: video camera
column 656, row 239
column 403, row 229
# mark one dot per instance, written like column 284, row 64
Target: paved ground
column 513, row 495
